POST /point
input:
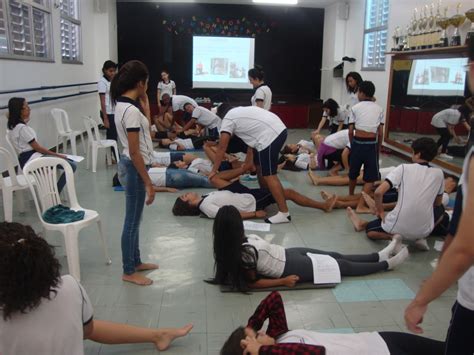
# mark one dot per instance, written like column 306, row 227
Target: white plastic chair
column 12, row 183
column 64, row 131
column 94, row 142
column 44, row 172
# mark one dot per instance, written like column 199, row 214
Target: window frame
column 367, row 31
column 10, row 55
column 75, row 21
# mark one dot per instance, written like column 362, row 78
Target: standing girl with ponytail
column 263, row 95
column 132, row 119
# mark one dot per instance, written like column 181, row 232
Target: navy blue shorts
column 263, row 197
column 176, row 156
column 236, row 145
column 364, row 152
column 375, row 226
column 213, row 132
column 267, row 159
column 390, row 196
column 225, row 165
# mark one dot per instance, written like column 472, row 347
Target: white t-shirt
column 352, row 100
column 367, row 116
column 21, row 136
column 166, row 88
column 187, row 143
column 200, row 165
column 158, row 176
column 341, row 117
column 443, row 118
column 257, row 127
column 338, row 140
column 206, row 118
column 179, row 101
column 162, row 158
column 103, row 87
column 270, row 258
column 263, row 93
column 55, row 327
column 466, row 282
column 128, row 118
column 366, row 343
column 305, row 146
column 212, row 202
column 418, row 186
column 303, row 160
column 385, row 171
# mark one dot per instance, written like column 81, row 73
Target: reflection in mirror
column 430, row 97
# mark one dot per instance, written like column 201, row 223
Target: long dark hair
column 229, row 252
column 127, row 78
column 332, row 106
column 15, row 105
column 256, row 72
column 167, row 72
column 29, row 271
column 358, row 79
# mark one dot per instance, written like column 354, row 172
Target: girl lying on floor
column 248, row 261
column 278, row 339
column 46, row 313
column 185, row 143
column 169, row 179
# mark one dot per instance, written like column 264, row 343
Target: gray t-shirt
column 55, row 327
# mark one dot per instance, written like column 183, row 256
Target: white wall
column 400, row 14
column 99, row 43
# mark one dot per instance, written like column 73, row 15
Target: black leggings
column 298, row 263
column 444, row 139
column 410, row 344
column 459, row 340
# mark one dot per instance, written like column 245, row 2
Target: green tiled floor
column 183, row 248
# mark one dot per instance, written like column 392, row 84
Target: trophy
column 431, row 41
column 396, row 39
column 405, row 46
column 470, row 35
column 413, row 37
column 443, row 22
column 423, row 25
column 457, row 20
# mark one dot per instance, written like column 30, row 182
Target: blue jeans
column 135, row 201
column 181, row 178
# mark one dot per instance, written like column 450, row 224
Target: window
column 25, row 29
column 375, row 34
column 70, row 31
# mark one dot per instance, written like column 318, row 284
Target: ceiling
column 301, row 3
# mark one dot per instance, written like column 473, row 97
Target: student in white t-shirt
column 24, row 139
column 55, row 314
column 132, row 119
column 353, row 80
column 248, row 261
column 106, row 107
column 177, row 102
column 278, row 339
column 263, row 95
column 420, row 191
column 334, row 114
column 264, row 134
column 166, row 86
column 204, row 118
column 456, row 264
column 445, row 122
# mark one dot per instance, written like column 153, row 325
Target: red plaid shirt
column 272, row 308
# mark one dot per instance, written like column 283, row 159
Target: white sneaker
column 398, row 259
column 445, row 156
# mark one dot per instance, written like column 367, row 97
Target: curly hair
column 29, row 271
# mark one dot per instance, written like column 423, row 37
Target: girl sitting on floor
column 278, row 339
column 252, row 262
column 46, row 313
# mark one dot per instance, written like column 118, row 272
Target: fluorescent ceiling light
column 277, row 2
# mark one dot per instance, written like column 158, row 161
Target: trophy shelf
column 437, row 50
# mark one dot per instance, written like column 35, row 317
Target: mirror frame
column 436, row 53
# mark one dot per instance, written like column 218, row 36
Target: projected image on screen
column 437, row 77
column 222, row 62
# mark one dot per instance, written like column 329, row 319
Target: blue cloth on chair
column 61, row 214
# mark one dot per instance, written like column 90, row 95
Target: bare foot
column 333, row 172
column 313, row 177
column 370, row 202
column 164, row 337
column 330, row 202
column 146, row 267
column 326, row 195
column 137, row 279
column 356, row 221
column 363, row 209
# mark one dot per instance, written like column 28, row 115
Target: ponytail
column 127, row 78
column 256, row 72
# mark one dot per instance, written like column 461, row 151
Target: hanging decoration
column 217, row 26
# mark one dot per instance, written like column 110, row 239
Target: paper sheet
column 438, row 245
column 253, row 226
column 325, row 269
column 76, row 158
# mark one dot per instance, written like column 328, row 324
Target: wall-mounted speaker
column 343, row 11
